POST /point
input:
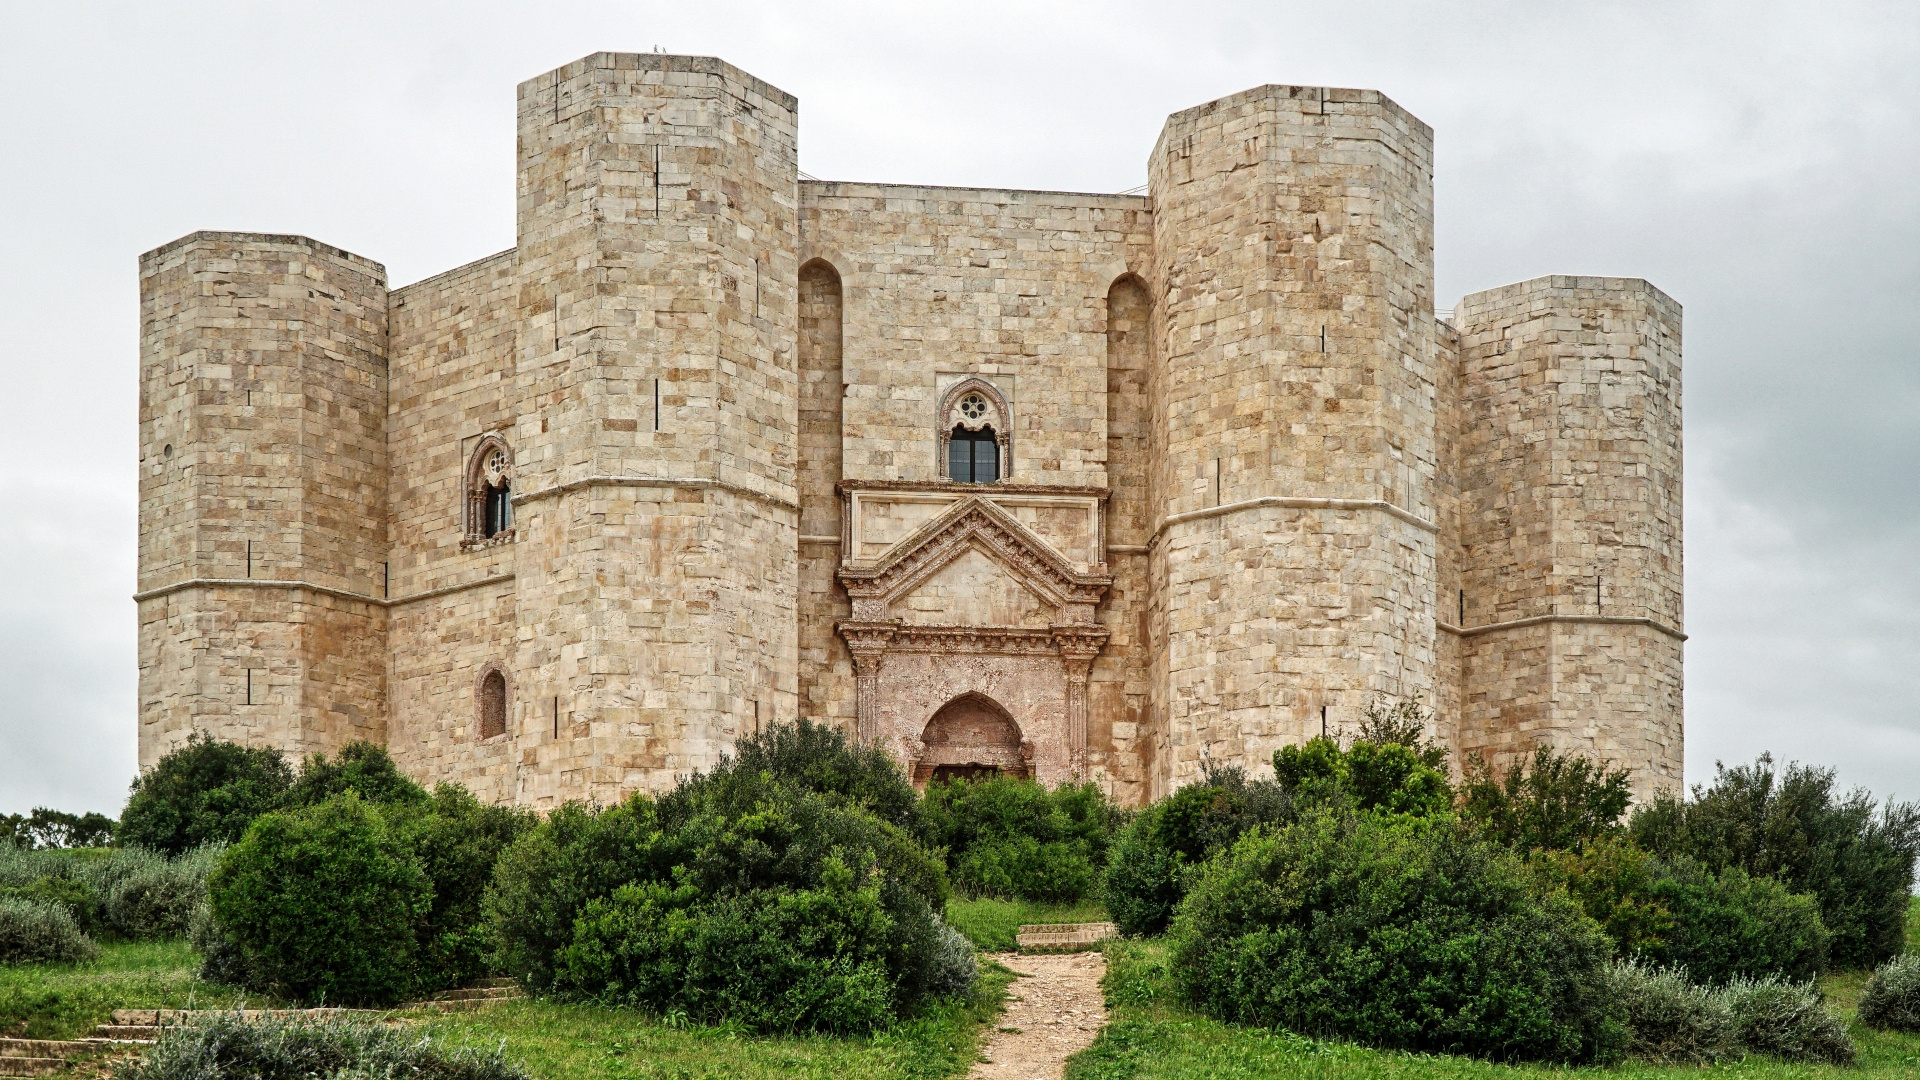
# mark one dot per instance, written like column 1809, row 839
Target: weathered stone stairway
column 132, row 1029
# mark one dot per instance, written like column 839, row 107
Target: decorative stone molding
column 957, row 409
column 489, row 471
column 973, row 523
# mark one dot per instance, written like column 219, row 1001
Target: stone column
column 1078, row 647
column 868, row 643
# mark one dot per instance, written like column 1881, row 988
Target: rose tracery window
column 973, row 433
column 489, row 494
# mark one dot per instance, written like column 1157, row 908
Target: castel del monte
column 1063, row 485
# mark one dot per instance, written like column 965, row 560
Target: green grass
column 578, row 1042
column 555, row 1042
column 65, row 1001
column 991, row 924
column 1150, row 1037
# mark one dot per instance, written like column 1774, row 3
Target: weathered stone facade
column 1060, row 484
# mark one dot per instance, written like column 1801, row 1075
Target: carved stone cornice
column 972, row 522
column 868, row 641
column 1001, row 487
column 1000, row 640
column 1078, row 645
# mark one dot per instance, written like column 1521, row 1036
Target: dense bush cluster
column 1398, row 931
column 785, row 890
column 1671, row 1019
column 358, row 898
column 1892, row 997
column 1011, row 838
column 125, row 894
column 1855, row 857
column 203, row 792
column 1150, row 858
column 226, row 1046
column 40, row 932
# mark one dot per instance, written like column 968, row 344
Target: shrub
column 1387, row 777
column 743, row 895
column 203, row 791
column 1892, row 998
column 1731, row 925
column 227, row 1046
column 801, row 914
column 1014, row 839
column 1613, row 882
column 1855, row 857
column 545, row 879
column 1397, row 931
column 1556, row 802
column 1786, row 1020
column 363, row 769
column 458, row 841
column 151, row 897
column 812, row 757
column 54, row 877
column 36, row 932
column 951, row 969
column 322, row 903
column 1669, row 1019
column 1149, row 859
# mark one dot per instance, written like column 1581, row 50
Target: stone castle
column 1057, row 484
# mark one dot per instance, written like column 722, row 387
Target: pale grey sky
column 1758, row 161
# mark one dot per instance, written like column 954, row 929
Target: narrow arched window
column 973, row 457
column 489, row 491
column 493, row 704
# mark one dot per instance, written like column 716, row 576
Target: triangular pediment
column 974, row 589
column 975, row 525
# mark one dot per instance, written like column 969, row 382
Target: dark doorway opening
column 943, row 773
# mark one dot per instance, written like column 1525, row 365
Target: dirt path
column 1054, row 1010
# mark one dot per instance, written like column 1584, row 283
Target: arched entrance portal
column 971, row 736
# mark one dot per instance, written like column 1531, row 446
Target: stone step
column 480, row 993
column 139, row 1033
column 163, row 1017
column 42, row 1048
column 1063, row 937
column 31, row 1066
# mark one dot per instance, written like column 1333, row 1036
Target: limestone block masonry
column 1072, row 486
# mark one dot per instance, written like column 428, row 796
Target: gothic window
column 489, row 491
column 492, row 702
column 973, row 433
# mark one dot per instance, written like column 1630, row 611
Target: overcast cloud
column 1760, row 162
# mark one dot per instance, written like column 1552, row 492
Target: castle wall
column 263, row 492
column 826, row 682
column 1250, row 480
column 451, row 343
column 656, row 579
column 1012, row 286
column 1009, row 285
column 1296, row 555
column 1570, row 514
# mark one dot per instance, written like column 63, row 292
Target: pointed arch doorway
column 973, row 737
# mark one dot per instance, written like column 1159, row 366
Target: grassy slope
column 991, row 924
column 64, row 1001
column 578, row 1042
column 1151, row 1038
column 556, row 1042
